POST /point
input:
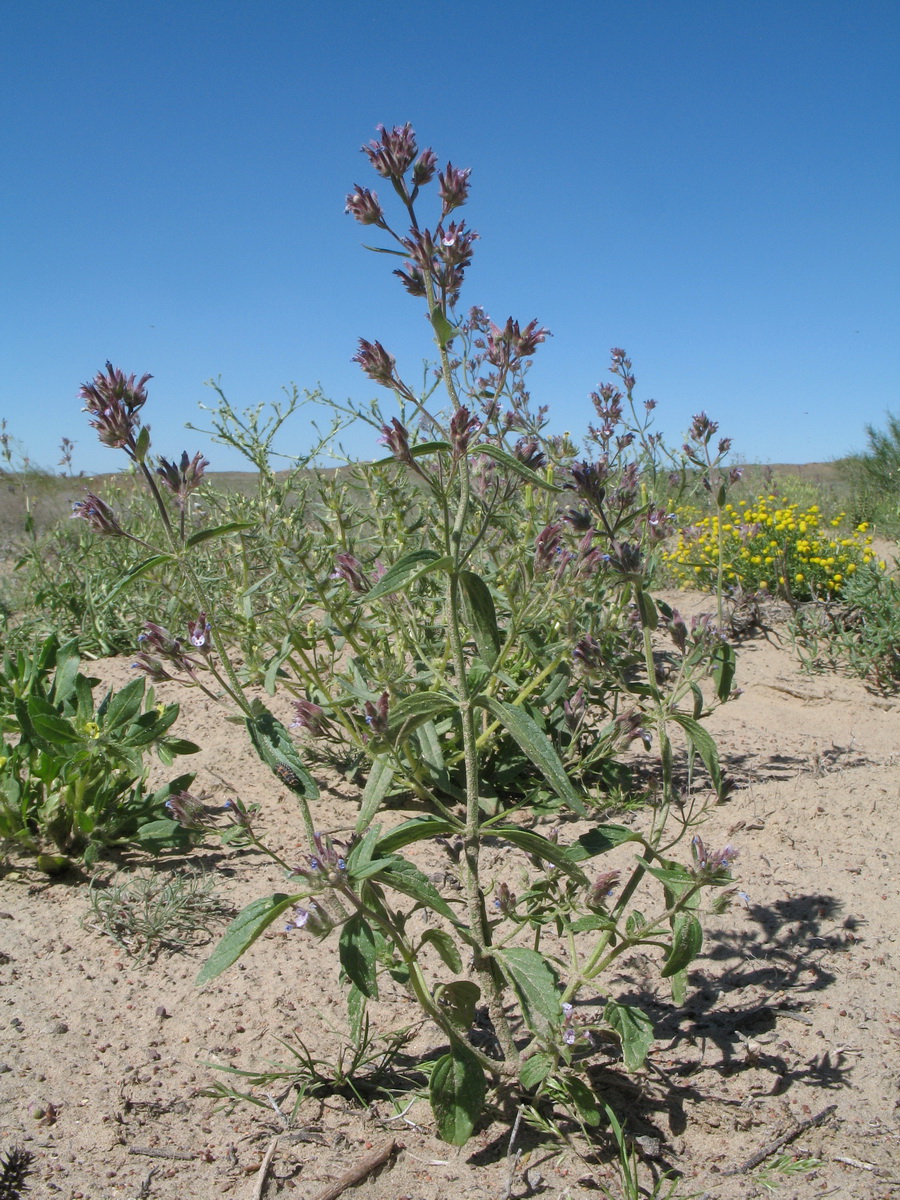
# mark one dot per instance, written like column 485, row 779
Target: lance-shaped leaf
column 444, row 332
column 421, row 451
column 407, row 570
column 142, row 568
column 540, row 847
column 538, row 748
column 125, row 705
column 482, row 615
column 412, row 711
column 599, row 840
column 206, row 535
column 404, row 877
column 634, row 1030
column 381, row 776
column 419, row 829
column 536, row 985
column 509, row 460
column 687, row 939
column 445, row 946
column 358, row 955
column 459, row 999
column 243, row 932
column 702, row 742
column 724, row 663
column 276, row 748
column 457, row 1093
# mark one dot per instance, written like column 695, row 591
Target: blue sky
column 713, row 186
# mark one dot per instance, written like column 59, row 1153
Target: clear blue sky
column 712, row 184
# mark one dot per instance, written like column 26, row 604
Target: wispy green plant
column 874, row 477
column 154, row 911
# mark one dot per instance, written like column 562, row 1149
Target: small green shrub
column 72, row 773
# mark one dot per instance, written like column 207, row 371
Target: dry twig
column 363, row 1168
column 264, row 1170
column 761, row 1155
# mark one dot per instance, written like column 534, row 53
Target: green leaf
column 540, row 847
column 687, row 939
column 412, row 711
column 673, row 876
column 702, row 742
column 164, row 834
column 724, row 663
column 583, row 1100
column 142, row 444
column 206, row 535
column 125, row 704
column 381, row 776
column 482, row 615
column 243, row 932
column 407, row 570
column 419, row 829
column 599, row 840
column 509, row 460
column 51, row 728
column 444, row 332
column 646, row 608
column 445, row 946
column 535, row 1070
column 358, row 955
column 457, row 1092
column 276, row 748
column 419, row 451
column 678, row 984
column 536, row 985
column 403, row 877
column 143, row 568
column 634, row 1029
column 537, row 747
column 459, row 999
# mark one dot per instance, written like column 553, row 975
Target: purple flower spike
column 98, row 515
column 394, row 154
column 113, row 400
column 364, row 206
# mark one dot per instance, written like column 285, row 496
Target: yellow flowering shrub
column 769, row 544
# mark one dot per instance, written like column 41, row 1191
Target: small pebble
column 58, row 1027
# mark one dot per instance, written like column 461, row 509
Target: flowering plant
column 483, row 636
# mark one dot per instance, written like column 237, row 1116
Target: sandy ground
column 794, row 1007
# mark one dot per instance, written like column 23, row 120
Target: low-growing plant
column 860, row 633
column 770, row 546
column 472, row 619
column 73, row 775
column 152, row 911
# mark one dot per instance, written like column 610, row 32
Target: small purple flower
column 396, row 437
column 98, row 515
column 309, row 716
column 574, row 710
column 453, row 188
column 588, row 653
column 376, row 715
column 187, row 810
column 601, row 889
column 184, row 478
column 349, row 568
column 394, row 154
column 113, row 400
column 363, row 205
column 199, row 633
column 376, row 363
column 547, row 545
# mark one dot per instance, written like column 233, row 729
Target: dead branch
column 363, row 1168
